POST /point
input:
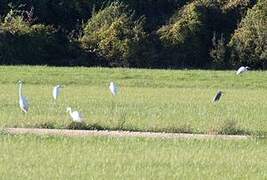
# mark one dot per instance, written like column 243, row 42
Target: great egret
column 23, row 103
column 75, row 115
column 242, row 69
column 218, row 96
column 113, row 88
column 56, row 91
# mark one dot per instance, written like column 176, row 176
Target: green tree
column 249, row 42
column 175, row 37
column 187, row 38
column 23, row 42
column 218, row 52
column 114, row 34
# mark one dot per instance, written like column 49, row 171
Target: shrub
column 249, row 42
column 187, row 22
column 23, row 42
column 186, row 39
column 218, row 52
column 175, row 36
column 67, row 14
column 230, row 127
column 114, row 34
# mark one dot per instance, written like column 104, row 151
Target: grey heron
column 218, row 96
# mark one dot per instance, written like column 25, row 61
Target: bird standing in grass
column 113, row 88
column 56, row 91
column 242, row 69
column 75, row 115
column 23, row 103
column 218, row 96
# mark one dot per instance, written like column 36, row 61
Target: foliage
column 249, row 42
column 230, row 127
column 23, row 42
column 232, row 4
column 67, row 14
column 218, row 52
column 115, row 35
column 184, row 37
column 187, row 22
column 161, row 34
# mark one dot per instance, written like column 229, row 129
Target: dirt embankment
column 83, row 133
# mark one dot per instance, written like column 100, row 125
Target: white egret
column 56, row 91
column 23, row 103
column 242, row 69
column 75, row 115
column 113, row 88
column 218, row 96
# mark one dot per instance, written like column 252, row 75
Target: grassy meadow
column 149, row 100
column 44, row 157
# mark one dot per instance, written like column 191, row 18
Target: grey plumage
column 218, row 96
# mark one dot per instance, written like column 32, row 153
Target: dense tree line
column 217, row 34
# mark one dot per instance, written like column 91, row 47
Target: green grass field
column 36, row 157
column 149, row 100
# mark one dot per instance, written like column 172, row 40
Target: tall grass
column 149, row 100
column 44, row 157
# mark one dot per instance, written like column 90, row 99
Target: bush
column 187, row 40
column 231, row 127
column 23, row 42
column 249, row 42
column 114, row 34
column 218, row 52
column 182, row 37
column 67, row 14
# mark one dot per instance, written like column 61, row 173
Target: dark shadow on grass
column 227, row 128
column 231, row 128
column 119, row 127
column 84, row 126
column 259, row 135
column 3, row 132
column 47, row 125
column 181, row 129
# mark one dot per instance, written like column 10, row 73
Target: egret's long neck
column 20, row 90
column 70, row 111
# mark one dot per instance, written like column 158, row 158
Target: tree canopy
column 114, row 34
column 134, row 33
column 249, row 42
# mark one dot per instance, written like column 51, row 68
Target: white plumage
column 113, row 88
column 23, row 103
column 75, row 115
column 56, row 91
column 242, row 69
